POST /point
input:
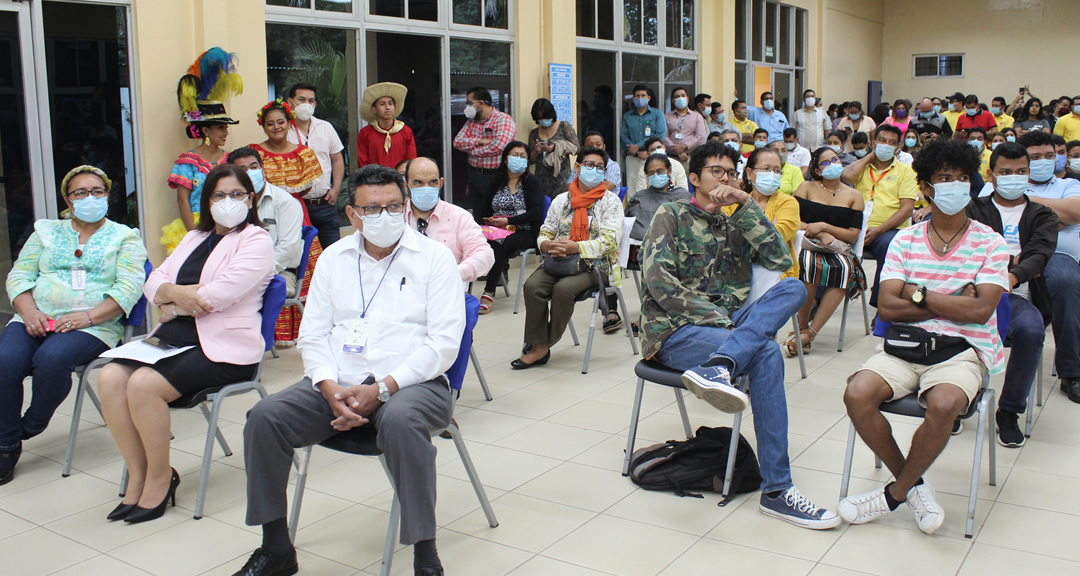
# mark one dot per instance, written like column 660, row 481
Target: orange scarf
column 580, row 202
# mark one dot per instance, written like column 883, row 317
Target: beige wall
column 851, row 48
column 1004, row 46
column 189, row 27
column 545, row 32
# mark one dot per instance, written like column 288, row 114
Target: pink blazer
column 234, row 278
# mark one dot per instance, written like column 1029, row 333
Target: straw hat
column 375, row 91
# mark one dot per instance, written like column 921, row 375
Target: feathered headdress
column 209, row 80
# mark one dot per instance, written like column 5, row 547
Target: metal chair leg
column 865, row 312
column 75, row 417
column 843, row 325
column 980, row 434
column 573, row 333
column 521, row 283
column 506, row 284
column 123, row 482
column 682, row 413
column 742, row 383
column 592, row 331
column 849, row 455
column 474, row 478
column 1030, row 416
column 635, row 413
column 301, row 458
column 479, row 372
column 626, row 313
column 798, row 345
column 217, row 432
column 1038, row 384
column 273, row 352
column 392, row 527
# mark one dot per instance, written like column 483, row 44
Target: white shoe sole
column 801, row 523
column 997, row 436
column 726, row 399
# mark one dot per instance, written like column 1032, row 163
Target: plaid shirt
column 487, row 156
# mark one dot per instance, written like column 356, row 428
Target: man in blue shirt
column 638, row 125
column 768, row 117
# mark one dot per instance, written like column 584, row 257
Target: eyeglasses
column 235, row 195
column 394, row 208
column 657, row 172
column 719, row 172
column 588, row 164
column 779, row 171
column 828, row 163
column 81, row 193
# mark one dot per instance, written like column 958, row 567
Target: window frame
column 937, row 68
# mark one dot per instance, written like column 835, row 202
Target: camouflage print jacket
column 696, row 267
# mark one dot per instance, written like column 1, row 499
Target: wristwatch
column 919, row 297
column 384, row 392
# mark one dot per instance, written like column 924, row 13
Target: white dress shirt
column 812, row 126
column 415, row 319
column 283, row 216
column 324, row 141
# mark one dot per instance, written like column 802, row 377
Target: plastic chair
column 795, row 319
column 308, row 234
column 135, row 319
column 1035, row 396
column 858, row 250
column 525, row 254
column 622, row 193
column 909, row 406
column 649, row 371
column 362, row 442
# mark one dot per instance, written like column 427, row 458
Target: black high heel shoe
column 121, row 511
column 520, row 364
column 140, row 514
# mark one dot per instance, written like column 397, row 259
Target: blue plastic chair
column 622, row 193
column 308, row 234
column 524, row 255
column 362, row 442
column 134, row 320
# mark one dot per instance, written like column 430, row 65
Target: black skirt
column 191, row 371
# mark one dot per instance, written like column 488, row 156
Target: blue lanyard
column 367, row 304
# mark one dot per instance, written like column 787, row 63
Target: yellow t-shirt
column 1004, row 121
column 984, row 164
column 783, row 211
column 746, row 127
column 1068, row 127
column 952, row 116
column 790, row 179
column 886, row 188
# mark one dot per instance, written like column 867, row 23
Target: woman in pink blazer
column 209, row 291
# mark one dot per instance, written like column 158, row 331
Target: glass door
column 22, row 198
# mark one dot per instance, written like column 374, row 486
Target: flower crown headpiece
column 276, row 103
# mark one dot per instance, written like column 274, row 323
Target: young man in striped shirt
column 946, row 276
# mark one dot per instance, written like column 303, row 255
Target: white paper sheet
column 143, row 352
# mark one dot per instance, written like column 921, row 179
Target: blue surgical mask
column 910, row 142
column 658, row 181
column 1042, row 169
column 768, row 104
column 546, row 122
column 424, row 198
column 767, row 182
column 641, row 102
column 832, row 171
column 952, row 197
column 860, row 153
column 517, row 164
column 995, row 110
column 1010, row 138
column 759, row 143
column 884, row 152
column 971, row 111
column 834, row 148
column 257, row 179
column 994, row 145
column 591, row 177
column 1076, row 109
column 854, row 117
column 720, row 118
column 927, row 115
column 976, row 144
column 1060, row 161
column 90, row 209
column 1011, row 186
column 937, row 108
column 733, row 145
column 681, row 103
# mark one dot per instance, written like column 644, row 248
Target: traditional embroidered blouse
column 190, row 171
column 294, row 171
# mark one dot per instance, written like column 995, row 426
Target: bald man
column 428, row 214
column 930, row 124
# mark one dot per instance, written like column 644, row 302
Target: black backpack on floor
column 698, row 464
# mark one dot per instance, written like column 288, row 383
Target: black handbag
column 914, row 344
column 563, row 266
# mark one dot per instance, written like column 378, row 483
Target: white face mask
column 789, row 145
column 229, row 213
column 470, row 112
column 304, row 112
column 383, row 230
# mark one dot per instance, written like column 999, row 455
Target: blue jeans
column 879, row 248
column 753, row 352
column 1026, row 334
column 1063, row 280
column 51, row 360
column 324, row 217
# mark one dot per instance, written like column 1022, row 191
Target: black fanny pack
column 913, row 344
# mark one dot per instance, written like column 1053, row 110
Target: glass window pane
column 467, row 12
column 680, row 72
column 926, row 66
column 496, row 16
column 632, row 21
column 800, row 37
column 740, row 81
column 334, row 5
column 673, row 23
column 605, row 19
column 16, row 189
column 756, row 29
column 785, row 35
column 782, row 92
column 952, row 65
column 595, row 77
column 586, row 18
column 688, row 25
column 640, row 69
column 740, row 29
column 474, row 63
column 650, row 22
column 290, row 3
column 770, row 32
column 395, row 8
column 424, row 10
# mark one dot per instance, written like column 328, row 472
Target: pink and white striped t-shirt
column 980, row 257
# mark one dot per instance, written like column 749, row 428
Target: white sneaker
column 928, row 513
column 863, row 508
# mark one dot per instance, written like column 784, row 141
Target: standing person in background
column 385, row 140
column 812, row 123
column 322, row 138
column 483, row 137
column 929, row 124
column 880, row 113
column 684, row 130
column 602, row 116
column 768, row 117
column 743, row 124
column 856, row 121
column 956, row 109
column 1068, row 126
column 901, row 116
column 553, row 142
column 703, row 104
column 1033, row 117
column 974, row 117
column 638, row 125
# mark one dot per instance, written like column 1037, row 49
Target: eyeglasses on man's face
column 719, row 172
column 392, row 208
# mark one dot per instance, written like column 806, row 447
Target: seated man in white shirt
column 797, row 155
column 280, row 212
column 612, row 171
column 639, row 181
column 384, row 320
column 442, row 221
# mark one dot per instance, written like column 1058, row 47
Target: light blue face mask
column 424, row 198
column 720, row 118
column 258, row 180
column 910, row 142
column 995, row 110
column 884, row 152
column 759, row 143
column 854, row 117
column 767, row 182
column 927, row 115
column 90, row 209
column 768, row 104
column 1011, row 186
column 517, row 164
column 860, row 153
column 591, row 177
column 952, row 197
column 1042, row 169
column 733, row 145
column 833, row 171
column 1076, row 109
column 937, row 108
column 658, row 181
column 681, row 103
column 1060, row 162
column 1010, row 138
column 971, row 111
column 546, row 122
column 641, row 102
column 976, row 144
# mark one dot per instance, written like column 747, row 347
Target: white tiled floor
column 549, row 449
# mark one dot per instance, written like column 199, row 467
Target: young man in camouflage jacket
column 696, row 279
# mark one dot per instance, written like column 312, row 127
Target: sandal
column 487, row 301
column 789, row 346
column 612, row 324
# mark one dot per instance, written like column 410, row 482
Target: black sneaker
column 262, row 563
column 8, row 460
column 1008, row 429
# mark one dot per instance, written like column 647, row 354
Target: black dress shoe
column 140, row 514
column 7, row 464
column 262, row 563
column 121, row 511
column 429, row 571
column 1072, row 386
column 521, row 365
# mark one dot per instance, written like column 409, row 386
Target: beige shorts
column 965, row 371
